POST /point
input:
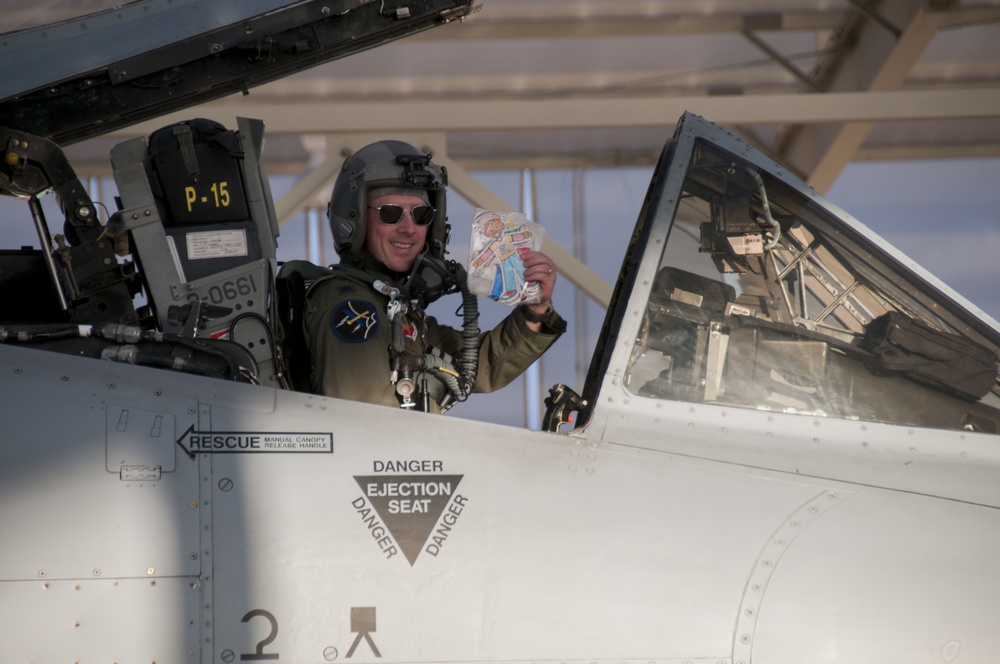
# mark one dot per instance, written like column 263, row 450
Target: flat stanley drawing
column 497, row 240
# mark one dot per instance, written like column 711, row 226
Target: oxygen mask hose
column 469, row 362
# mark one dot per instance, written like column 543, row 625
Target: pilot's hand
column 539, row 268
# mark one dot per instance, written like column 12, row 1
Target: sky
column 945, row 215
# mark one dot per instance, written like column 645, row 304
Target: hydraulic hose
column 130, row 354
column 127, row 336
column 42, row 333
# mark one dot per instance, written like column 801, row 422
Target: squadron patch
column 355, row 321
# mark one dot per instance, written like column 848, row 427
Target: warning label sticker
column 216, row 244
column 223, row 442
column 401, row 511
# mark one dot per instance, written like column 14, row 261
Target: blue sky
column 945, row 215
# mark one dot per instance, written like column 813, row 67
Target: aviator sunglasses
column 390, row 214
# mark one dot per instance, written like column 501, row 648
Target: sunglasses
column 390, row 214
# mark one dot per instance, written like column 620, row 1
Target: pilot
column 368, row 336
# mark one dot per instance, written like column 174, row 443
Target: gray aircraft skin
column 785, row 451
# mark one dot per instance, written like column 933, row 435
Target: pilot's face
column 395, row 245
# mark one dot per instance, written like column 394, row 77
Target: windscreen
column 764, row 299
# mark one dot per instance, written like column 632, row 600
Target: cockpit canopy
column 764, row 296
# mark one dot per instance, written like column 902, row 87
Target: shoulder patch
column 355, row 321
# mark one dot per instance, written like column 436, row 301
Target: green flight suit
column 348, row 334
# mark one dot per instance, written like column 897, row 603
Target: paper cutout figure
column 495, row 267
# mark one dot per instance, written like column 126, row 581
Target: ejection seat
column 195, row 205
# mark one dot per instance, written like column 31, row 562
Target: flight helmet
column 382, row 168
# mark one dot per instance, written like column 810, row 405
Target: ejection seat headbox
column 194, row 171
column 193, row 167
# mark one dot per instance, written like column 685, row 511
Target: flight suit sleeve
column 505, row 352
